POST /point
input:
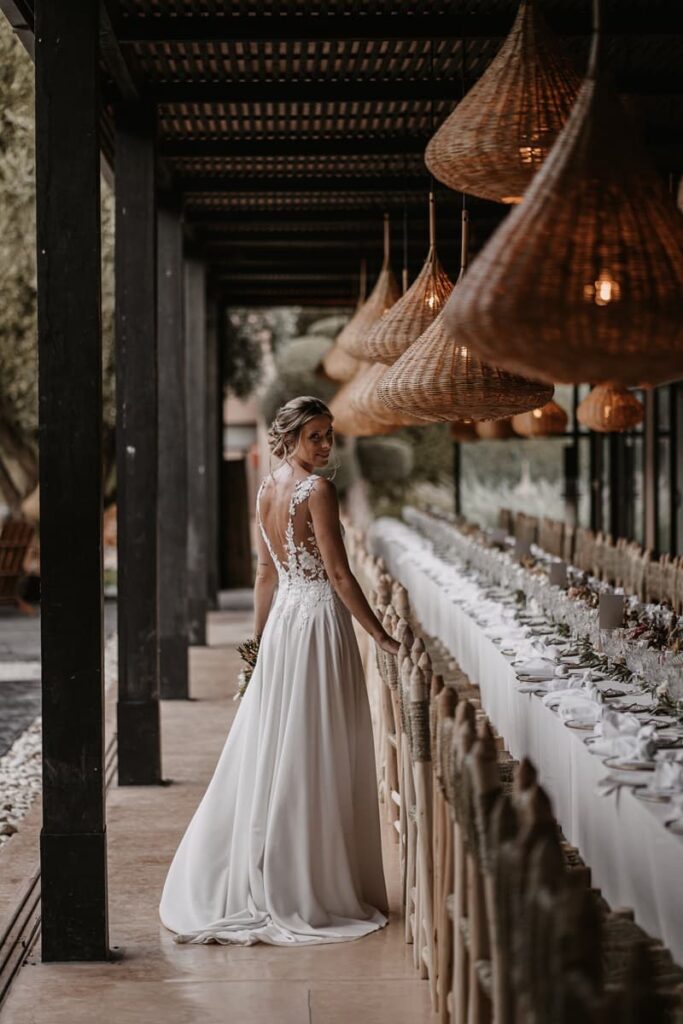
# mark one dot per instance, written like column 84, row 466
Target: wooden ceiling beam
column 347, row 92
column 230, row 184
column 422, row 26
column 292, row 147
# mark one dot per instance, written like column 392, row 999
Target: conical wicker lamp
column 441, row 380
column 542, row 422
column 501, row 132
column 381, row 298
column 338, row 364
column 584, row 280
column 415, row 311
column 364, row 400
column 349, row 420
column 494, row 430
column 608, row 409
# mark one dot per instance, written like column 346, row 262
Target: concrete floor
column 156, row 981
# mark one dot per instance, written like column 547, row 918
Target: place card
column 611, row 611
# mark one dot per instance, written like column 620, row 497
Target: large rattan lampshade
column 542, row 422
column 414, row 311
column 381, row 298
column 441, row 380
column 608, row 409
column 584, row 280
column 364, row 399
column 501, row 132
column 349, row 420
column 337, row 363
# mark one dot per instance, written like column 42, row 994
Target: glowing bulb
column 431, row 300
column 604, row 290
column 531, row 154
column 537, row 413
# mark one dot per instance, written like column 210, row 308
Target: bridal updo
column 289, row 419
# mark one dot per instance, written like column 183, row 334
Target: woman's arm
column 324, row 509
column 264, row 584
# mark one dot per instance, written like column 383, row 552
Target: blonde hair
column 289, row 420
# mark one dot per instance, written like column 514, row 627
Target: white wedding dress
column 285, row 846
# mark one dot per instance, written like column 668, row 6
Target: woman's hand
column 387, row 643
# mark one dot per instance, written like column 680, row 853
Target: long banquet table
column 634, row 859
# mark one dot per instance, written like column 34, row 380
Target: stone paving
column 156, row 981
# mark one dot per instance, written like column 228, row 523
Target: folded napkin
column 536, row 668
column 624, row 737
column 668, row 775
column 573, row 704
column 676, row 816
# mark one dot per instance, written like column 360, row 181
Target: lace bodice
column 303, row 581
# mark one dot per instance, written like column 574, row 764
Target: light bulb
column 531, row 154
column 537, row 413
column 602, row 291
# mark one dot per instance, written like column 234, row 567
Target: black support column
column 212, row 467
column 139, row 752
column 73, row 838
column 173, row 625
column 196, row 380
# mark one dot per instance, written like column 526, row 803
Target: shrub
column 384, row 459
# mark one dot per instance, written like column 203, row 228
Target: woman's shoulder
column 322, row 490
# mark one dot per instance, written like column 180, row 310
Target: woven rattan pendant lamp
column 441, row 380
column 347, row 419
column 502, row 130
column 365, row 401
column 609, row 409
column 338, row 364
column 584, row 280
column 542, row 422
column 381, row 298
column 415, row 311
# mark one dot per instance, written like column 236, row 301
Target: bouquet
column 248, row 652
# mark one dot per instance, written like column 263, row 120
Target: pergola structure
column 254, row 147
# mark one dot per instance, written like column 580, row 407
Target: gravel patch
column 21, row 766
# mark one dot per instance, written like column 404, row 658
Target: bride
column 285, row 846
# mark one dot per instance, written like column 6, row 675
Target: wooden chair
column 505, row 520
column 15, row 538
column 421, row 758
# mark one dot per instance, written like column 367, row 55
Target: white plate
column 616, row 763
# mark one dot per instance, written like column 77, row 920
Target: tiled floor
column 156, row 981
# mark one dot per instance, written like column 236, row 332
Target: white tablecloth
column 634, row 859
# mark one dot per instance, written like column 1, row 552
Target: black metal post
column 173, row 621
column 221, row 510
column 196, row 381
column 676, row 467
column 650, row 471
column 212, row 480
column 139, row 746
column 597, row 443
column 73, row 838
column 457, row 479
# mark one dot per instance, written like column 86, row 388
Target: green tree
column 18, row 346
